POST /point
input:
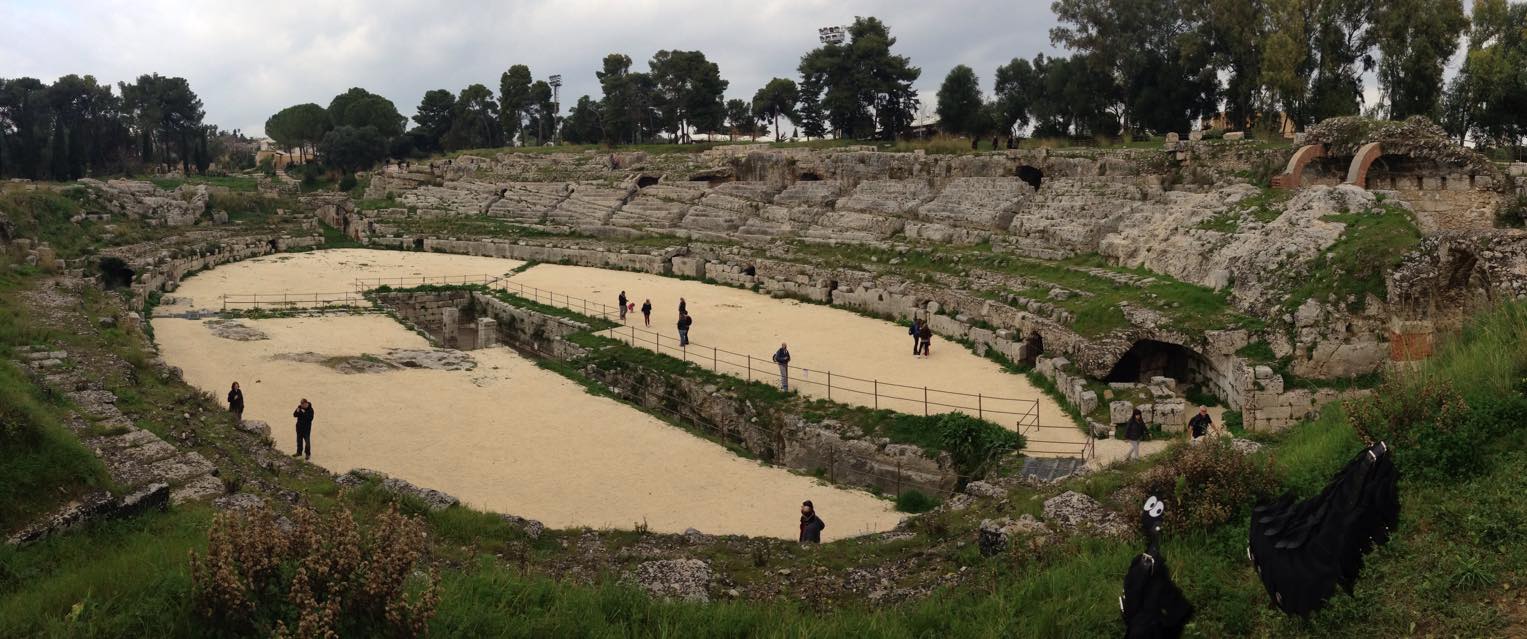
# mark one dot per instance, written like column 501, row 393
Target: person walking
column 1134, row 432
column 811, row 524
column 623, row 304
column 683, row 308
column 917, row 338
column 684, row 322
column 647, row 312
column 304, row 415
column 782, row 357
column 925, row 335
column 236, row 402
column 1200, row 424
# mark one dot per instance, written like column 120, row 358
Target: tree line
column 77, row 126
column 1157, row 66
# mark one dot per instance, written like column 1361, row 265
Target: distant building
column 1286, row 126
column 267, row 148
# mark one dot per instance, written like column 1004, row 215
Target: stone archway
column 1293, row 174
column 115, row 273
column 1033, row 176
column 1149, row 358
column 1357, row 173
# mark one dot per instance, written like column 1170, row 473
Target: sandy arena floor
column 507, row 436
column 328, row 271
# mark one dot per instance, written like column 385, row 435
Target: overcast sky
column 248, row 60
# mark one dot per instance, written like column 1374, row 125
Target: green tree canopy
column 628, row 105
column 352, row 148
column 584, row 123
column 1416, row 38
column 475, row 121
column 959, row 102
column 862, row 87
column 513, row 100
column 433, row 118
column 359, row 107
column 300, row 127
column 688, row 92
column 775, row 99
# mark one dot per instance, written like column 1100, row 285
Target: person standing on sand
column 1134, row 431
column 683, row 308
column 917, row 338
column 925, row 335
column 811, row 524
column 1200, row 424
column 623, row 307
column 782, row 357
column 684, row 322
column 304, row 415
column 647, row 312
column 236, row 402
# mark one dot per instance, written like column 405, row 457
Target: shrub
column 974, row 443
column 316, row 576
column 347, row 182
column 1205, row 484
column 914, row 501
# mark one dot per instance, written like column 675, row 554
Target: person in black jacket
column 811, row 524
column 917, row 339
column 236, row 402
column 1201, row 423
column 623, row 304
column 683, row 308
column 647, row 312
column 782, row 357
column 684, row 322
column 925, row 335
column 304, row 415
column 1134, row 431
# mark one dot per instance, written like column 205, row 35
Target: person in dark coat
column 782, row 357
column 1201, row 423
column 623, row 305
column 917, row 339
column 647, row 312
column 683, row 308
column 1134, row 431
column 304, row 415
column 925, row 335
column 811, row 524
column 684, row 322
column 236, row 402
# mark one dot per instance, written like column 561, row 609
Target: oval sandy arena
column 505, row 436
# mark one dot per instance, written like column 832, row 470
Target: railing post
column 713, row 358
column 877, row 401
column 829, row 385
column 750, row 368
column 925, row 401
column 980, row 413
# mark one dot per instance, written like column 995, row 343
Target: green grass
column 1353, row 268
column 127, row 578
column 1263, row 207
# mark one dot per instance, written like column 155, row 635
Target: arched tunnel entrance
column 1034, row 177
column 1150, row 358
column 115, row 273
column 645, row 181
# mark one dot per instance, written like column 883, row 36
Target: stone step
column 1051, row 469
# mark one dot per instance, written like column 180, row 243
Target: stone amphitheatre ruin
column 1126, row 278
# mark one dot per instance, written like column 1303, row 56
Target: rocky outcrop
column 1074, row 511
column 95, row 506
column 682, row 579
column 146, row 201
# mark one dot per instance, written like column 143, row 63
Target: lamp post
column 556, row 104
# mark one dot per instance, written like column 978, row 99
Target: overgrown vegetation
column 320, row 575
column 1353, row 268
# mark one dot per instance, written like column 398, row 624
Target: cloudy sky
column 248, row 60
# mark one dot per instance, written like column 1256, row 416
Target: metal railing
column 1038, row 439
column 835, row 386
column 363, row 284
column 293, row 300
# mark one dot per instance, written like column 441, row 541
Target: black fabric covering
column 1304, row 550
column 1153, row 606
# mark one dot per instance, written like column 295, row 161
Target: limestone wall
column 162, row 273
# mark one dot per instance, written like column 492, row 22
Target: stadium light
column 832, row 35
